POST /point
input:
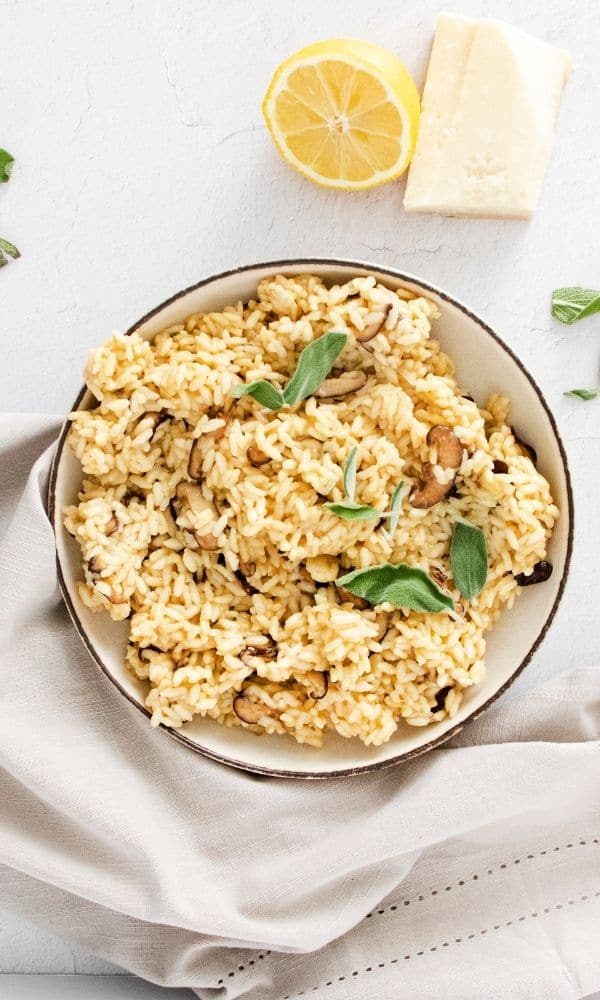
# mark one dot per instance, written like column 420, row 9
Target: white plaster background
column 143, row 165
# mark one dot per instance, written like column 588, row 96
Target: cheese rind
column 488, row 117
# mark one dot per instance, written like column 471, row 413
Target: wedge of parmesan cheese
column 490, row 106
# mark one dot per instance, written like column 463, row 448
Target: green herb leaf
column 468, row 558
column 350, row 474
column 262, row 391
column 350, row 511
column 400, row 585
column 314, row 364
column 6, row 165
column 583, row 393
column 395, row 507
column 570, row 304
column 7, row 248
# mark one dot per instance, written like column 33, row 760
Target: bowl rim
column 402, row 757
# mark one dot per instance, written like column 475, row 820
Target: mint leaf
column 7, row 248
column 571, row 304
column 350, row 474
column 583, row 393
column 314, row 364
column 400, row 585
column 262, row 391
column 6, row 165
column 395, row 508
column 468, row 558
column 350, row 511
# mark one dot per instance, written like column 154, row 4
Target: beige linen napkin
column 472, row 872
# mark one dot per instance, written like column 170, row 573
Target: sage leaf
column 262, row 391
column 395, row 508
column 398, row 584
column 350, row 474
column 314, row 364
column 350, row 511
column 571, row 304
column 6, row 165
column 468, row 558
column 583, row 393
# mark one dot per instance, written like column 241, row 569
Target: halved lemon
column 344, row 113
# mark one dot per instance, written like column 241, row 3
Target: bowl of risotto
column 311, row 516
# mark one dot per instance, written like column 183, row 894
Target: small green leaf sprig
column 6, row 165
column 349, row 510
column 314, row 364
column 568, row 306
column 585, row 394
column 571, row 304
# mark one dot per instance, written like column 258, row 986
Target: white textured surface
column 143, row 165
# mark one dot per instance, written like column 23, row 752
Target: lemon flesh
column 344, row 113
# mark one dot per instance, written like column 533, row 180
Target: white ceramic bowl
column 484, row 365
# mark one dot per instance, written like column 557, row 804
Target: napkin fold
column 471, row 872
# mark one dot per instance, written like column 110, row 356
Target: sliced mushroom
column 194, row 467
column 440, row 699
column 267, row 652
column 147, row 649
column 191, row 495
column 132, row 495
column 526, row 449
column 438, row 576
column 383, row 625
column 208, row 542
column 341, row 385
column 256, row 456
column 169, row 517
column 449, row 456
column 374, row 327
column 541, row 572
column 220, row 414
column 358, row 602
column 500, row 467
column 245, row 584
column 96, row 565
column 250, row 712
column 158, row 416
column 318, row 683
column 112, row 525
column 247, row 568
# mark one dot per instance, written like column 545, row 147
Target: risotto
column 209, row 521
